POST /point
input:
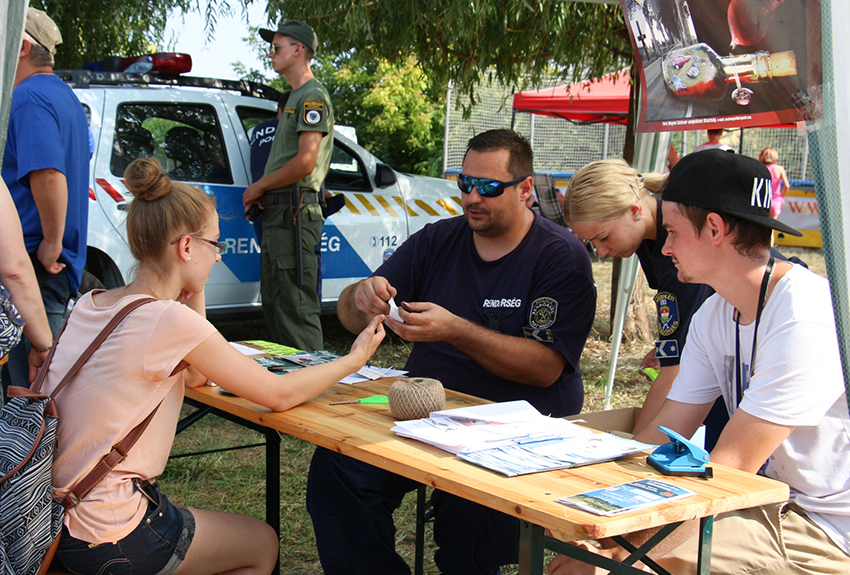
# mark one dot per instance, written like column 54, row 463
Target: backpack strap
column 107, row 464
column 84, row 357
column 119, row 451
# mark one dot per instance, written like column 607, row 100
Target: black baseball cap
column 727, row 183
column 297, row 29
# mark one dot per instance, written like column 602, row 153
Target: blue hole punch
column 680, row 457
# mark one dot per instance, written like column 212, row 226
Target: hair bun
column 145, row 180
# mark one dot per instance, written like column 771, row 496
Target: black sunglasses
column 486, row 187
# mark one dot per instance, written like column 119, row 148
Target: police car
column 199, row 129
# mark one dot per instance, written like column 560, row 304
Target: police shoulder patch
column 314, row 111
column 668, row 313
column 543, row 313
column 543, row 335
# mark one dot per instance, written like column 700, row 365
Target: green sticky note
column 273, row 348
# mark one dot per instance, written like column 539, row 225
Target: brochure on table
column 284, row 359
column 626, row 497
column 513, row 438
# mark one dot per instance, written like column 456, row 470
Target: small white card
column 394, row 311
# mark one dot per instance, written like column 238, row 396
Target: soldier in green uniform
column 289, row 192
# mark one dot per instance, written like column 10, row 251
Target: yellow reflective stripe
column 371, row 209
column 404, row 206
column 387, row 206
column 428, row 209
column 458, row 201
column 447, row 206
column 350, row 205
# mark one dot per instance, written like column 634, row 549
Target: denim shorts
column 156, row 546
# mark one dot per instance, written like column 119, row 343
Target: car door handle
column 124, row 206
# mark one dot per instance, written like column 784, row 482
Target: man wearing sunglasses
column 499, row 303
column 289, row 192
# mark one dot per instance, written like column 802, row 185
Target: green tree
column 519, row 41
column 395, row 108
column 94, row 29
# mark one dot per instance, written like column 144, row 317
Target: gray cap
column 43, row 29
column 296, row 29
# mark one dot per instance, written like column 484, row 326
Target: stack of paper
column 468, row 429
column 513, row 438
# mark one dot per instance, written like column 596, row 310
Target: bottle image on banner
column 698, row 73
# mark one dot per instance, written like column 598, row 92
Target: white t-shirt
column 712, row 146
column 797, row 381
column 128, row 375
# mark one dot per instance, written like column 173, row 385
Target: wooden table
column 362, row 431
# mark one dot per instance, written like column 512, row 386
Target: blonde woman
column 125, row 524
column 618, row 210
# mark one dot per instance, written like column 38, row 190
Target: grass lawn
column 235, row 481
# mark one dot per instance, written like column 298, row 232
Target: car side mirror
column 384, row 176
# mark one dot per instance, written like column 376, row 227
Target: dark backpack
column 30, row 520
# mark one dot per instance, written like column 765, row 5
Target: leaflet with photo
column 545, row 454
column 626, row 497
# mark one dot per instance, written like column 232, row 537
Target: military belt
column 285, row 198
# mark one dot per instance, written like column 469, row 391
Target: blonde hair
column 161, row 210
column 768, row 156
column 606, row 189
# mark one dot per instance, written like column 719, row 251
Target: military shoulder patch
column 314, row 111
column 668, row 313
column 543, row 313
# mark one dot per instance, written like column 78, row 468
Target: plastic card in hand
column 627, row 497
column 394, row 311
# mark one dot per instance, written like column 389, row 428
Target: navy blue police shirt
column 542, row 290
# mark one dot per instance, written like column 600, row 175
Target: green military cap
column 296, row 29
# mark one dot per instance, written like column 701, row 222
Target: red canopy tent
column 590, row 102
column 603, row 100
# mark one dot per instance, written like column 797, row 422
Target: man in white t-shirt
column 713, row 142
column 765, row 342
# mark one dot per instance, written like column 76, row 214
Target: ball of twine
column 416, row 397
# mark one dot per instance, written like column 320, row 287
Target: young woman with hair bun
column 618, row 210
column 123, row 524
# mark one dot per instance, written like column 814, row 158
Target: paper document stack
column 513, row 438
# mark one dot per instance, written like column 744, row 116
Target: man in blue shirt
column 46, row 167
column 499, row 303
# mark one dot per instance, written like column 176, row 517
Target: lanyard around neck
column 739, row 368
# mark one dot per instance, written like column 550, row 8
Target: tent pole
column 446, row 130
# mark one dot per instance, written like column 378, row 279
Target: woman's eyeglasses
column 220, row 247
column 486, row 187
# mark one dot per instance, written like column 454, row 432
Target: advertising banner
column 726, row 63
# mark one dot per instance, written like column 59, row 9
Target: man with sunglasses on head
column 499, row 303
column 289, row 192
